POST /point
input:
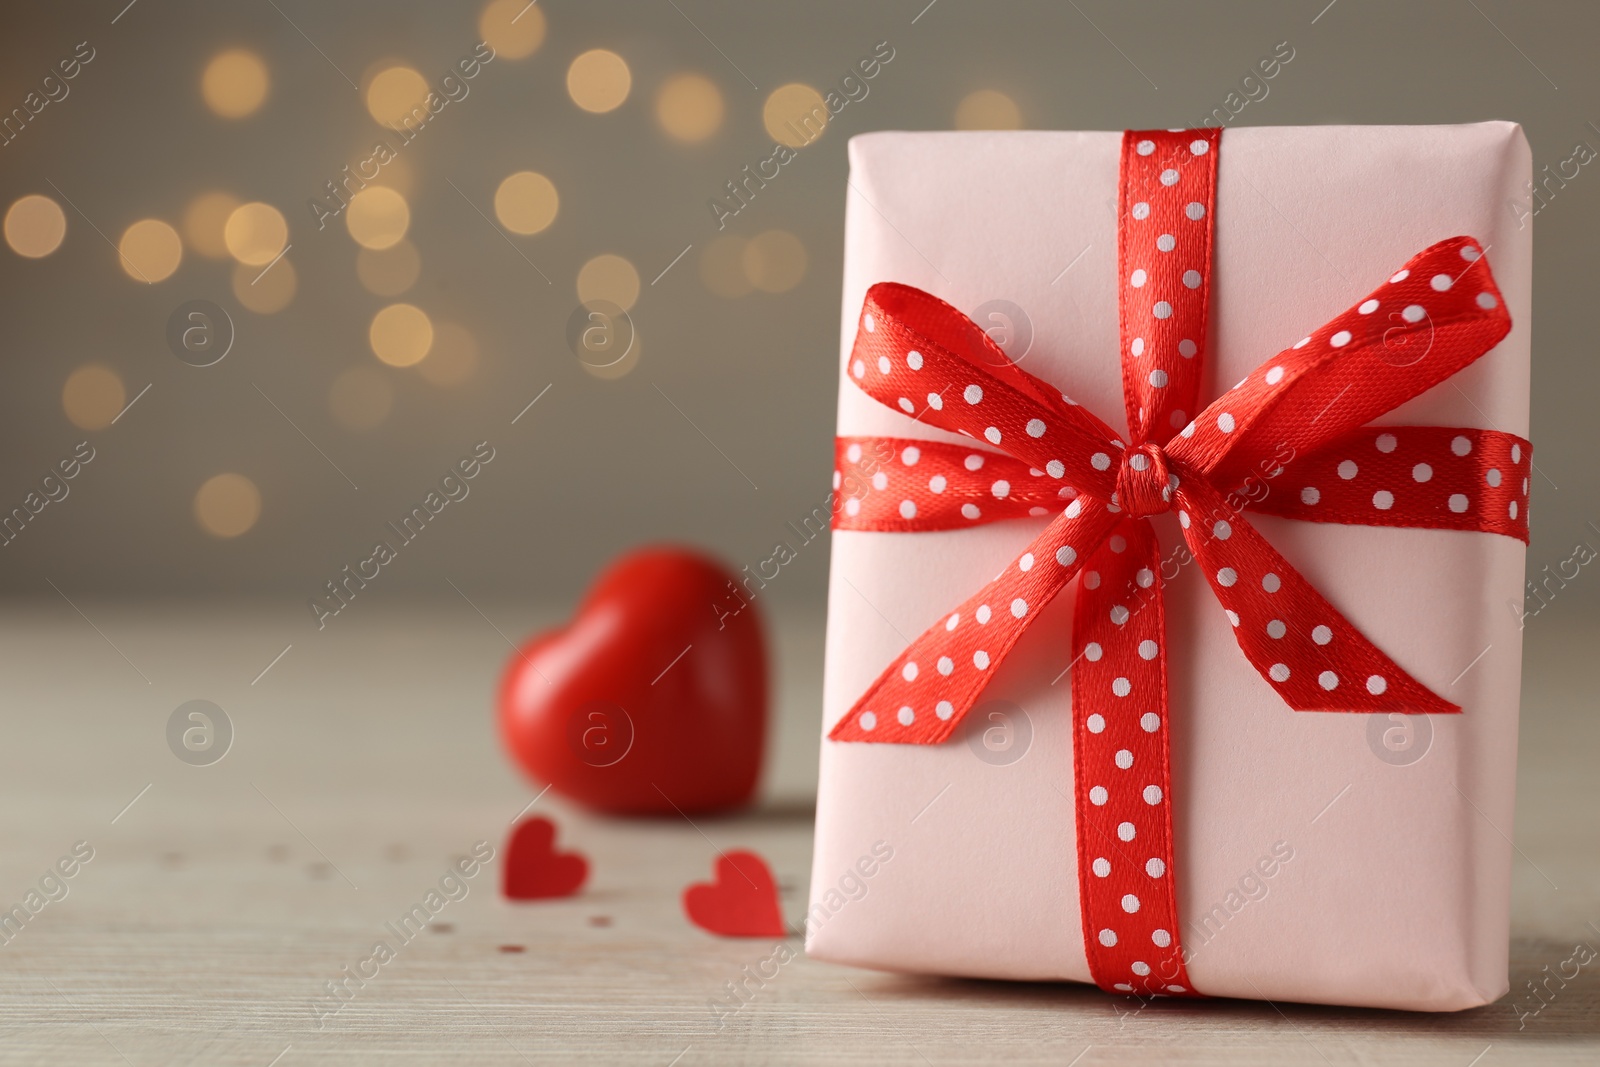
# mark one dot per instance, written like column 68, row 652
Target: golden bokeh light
column 204, row 220
column 609, row 277
column 526, row 202
column 401, row 334
column 389, row 271
column 377, row 217
column 774, row 261
column 599, row 80
column 622, row 367
column 235, row 83
column 513, row 28
column 689, row 107
column 35, row 226
column 227, row 505
column 722, row 267
column 395, row 93
column 795, row 115
column 454, row 358
column 150, row 250
column 255, row 233
column 93, row 396
column 988, row 109
column 361, row 398
column 267, row 293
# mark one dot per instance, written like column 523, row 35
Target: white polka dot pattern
column 1310, row 395
column 974, row 637
column 930, row 494
column 1313, row 638
column 1165, row 251
column 1421, row 470
column 1300, row 416
column 1120, row 741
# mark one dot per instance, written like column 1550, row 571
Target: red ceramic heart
column 534, row 870
column 742, row 901
column 653, row 699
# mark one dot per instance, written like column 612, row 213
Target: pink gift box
column 1324, row 858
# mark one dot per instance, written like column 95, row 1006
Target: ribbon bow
column 1291, row 439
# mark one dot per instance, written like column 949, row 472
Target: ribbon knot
column 1144, row 483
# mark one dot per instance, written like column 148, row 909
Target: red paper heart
column 742, row 900
column 534, row 870
column 653, row 699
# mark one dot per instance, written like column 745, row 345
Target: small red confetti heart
column 535, row 870
column 742, row 900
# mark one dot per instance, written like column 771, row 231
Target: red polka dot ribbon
column 1292, row 439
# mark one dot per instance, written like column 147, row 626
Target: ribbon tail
column 1122, row 769
column 922, row 696
column 1301, row 644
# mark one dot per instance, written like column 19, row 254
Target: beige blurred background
column 370, row 356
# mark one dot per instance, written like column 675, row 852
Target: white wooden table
column 222, row 900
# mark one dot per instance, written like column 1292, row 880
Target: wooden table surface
column 221, row 899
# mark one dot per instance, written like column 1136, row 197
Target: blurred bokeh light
column 377, row 217
column 395, row 93
column 93, row 396
column 255, row 233
column 599, row 80
column 689, row 107
column 227, row 505
column 204, row 221
column 795, row 115
column 526, row 202
column 774, row 261
column 513, row 28
column 35, row 226
column 235, row 83
column 988, row 109
column 453, row 359
column 150, row 250
column 265, row 291
column 608, row 277
column 401, row 334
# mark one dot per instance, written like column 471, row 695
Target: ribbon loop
column 921, row 356
column 1434, row 316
